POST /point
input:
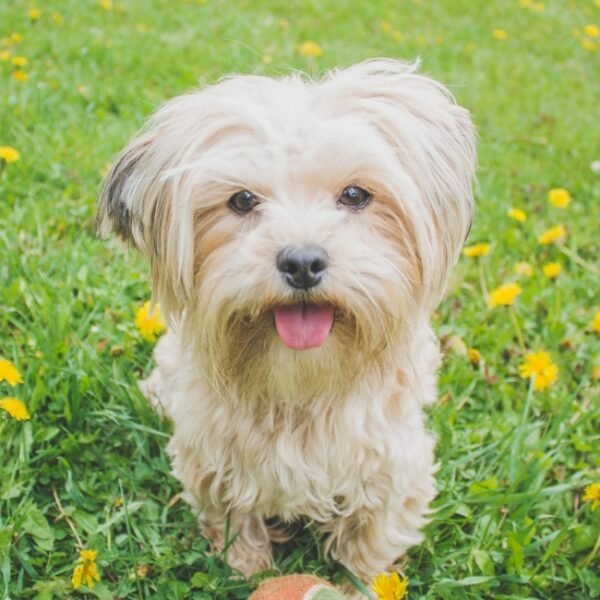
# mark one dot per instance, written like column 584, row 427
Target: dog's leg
column 371, row 541
column 248, row 548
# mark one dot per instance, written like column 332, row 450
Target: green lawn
column 90, row 468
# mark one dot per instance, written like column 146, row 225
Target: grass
column 91, row 464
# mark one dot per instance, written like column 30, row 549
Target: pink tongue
column 303, row 326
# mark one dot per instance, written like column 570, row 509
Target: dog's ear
column 119, row 211
column 137, row 204
column 434, row 144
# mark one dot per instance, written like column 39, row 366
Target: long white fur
column 335, row 433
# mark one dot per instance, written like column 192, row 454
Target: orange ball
column 296, row 587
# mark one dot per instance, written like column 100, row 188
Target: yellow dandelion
column 554, row 234
column 559, row 197
column 596, row 373
column 474, row 356
column 4, row 55
column 266, row 59
column 149, row 324
column 476, row 250
column 524, row 269
column 34, row 14
column 86, row 570
column 9, row 154
column 504, row 295
column 591, row 493
column 596, row 322
column 517, row 214
column 106, row 4
column 9, row 373
column 588, row 45
column 142, row 571
column 386, row 26
column 57, row 18
column 15, row 408
column 525, row 3
column 499, row 34
column 390, row 587
column 310, row 49
column 16, row 38
column 539, row 367
column 19, row 75
column 19, row 61
column 552, row 270
column 592, row 30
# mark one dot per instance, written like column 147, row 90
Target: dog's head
column 296, row 228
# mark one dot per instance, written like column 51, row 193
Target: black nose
column 302, row 266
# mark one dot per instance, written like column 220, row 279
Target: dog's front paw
column 250, row 551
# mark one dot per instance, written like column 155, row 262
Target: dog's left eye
column 242, row 202
column 354, row 197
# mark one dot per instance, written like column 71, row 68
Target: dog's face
column 297, row 228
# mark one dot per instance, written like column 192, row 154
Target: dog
column 300, row 234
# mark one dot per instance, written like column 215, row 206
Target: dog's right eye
column 242, row 202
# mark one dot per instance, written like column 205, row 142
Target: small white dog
column 300, row 234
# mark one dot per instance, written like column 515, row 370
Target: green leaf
column 36, row 525
column 484, row 562
column 202, row 580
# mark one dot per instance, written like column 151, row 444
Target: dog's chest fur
column 319, row 462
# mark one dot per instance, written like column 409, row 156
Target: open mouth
column 302, row 326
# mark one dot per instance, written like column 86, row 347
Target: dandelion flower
column 86, row 571
column 16, row 38
column 34, row 14
column 106, row 4
column 390, row 587
column 524, row 269
column 310, row 49
column 386, row 26
column 539, row 367
column 142, row 571
column 596, row 373
column 499, row 34
column 9, row 373
column 552, row 270
column 19, row 61
column 596, row 322
column 559, row 197
column 554, row 234
column 9, row 154
column 517, row 214
column 4, row 55
column 591, row 493
column 15, row 408
column 474, row 356
column 19, row 75
column 149, row 324
column 591, row 30
column 588, row 45
column 504, row 295
column 476, row 250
